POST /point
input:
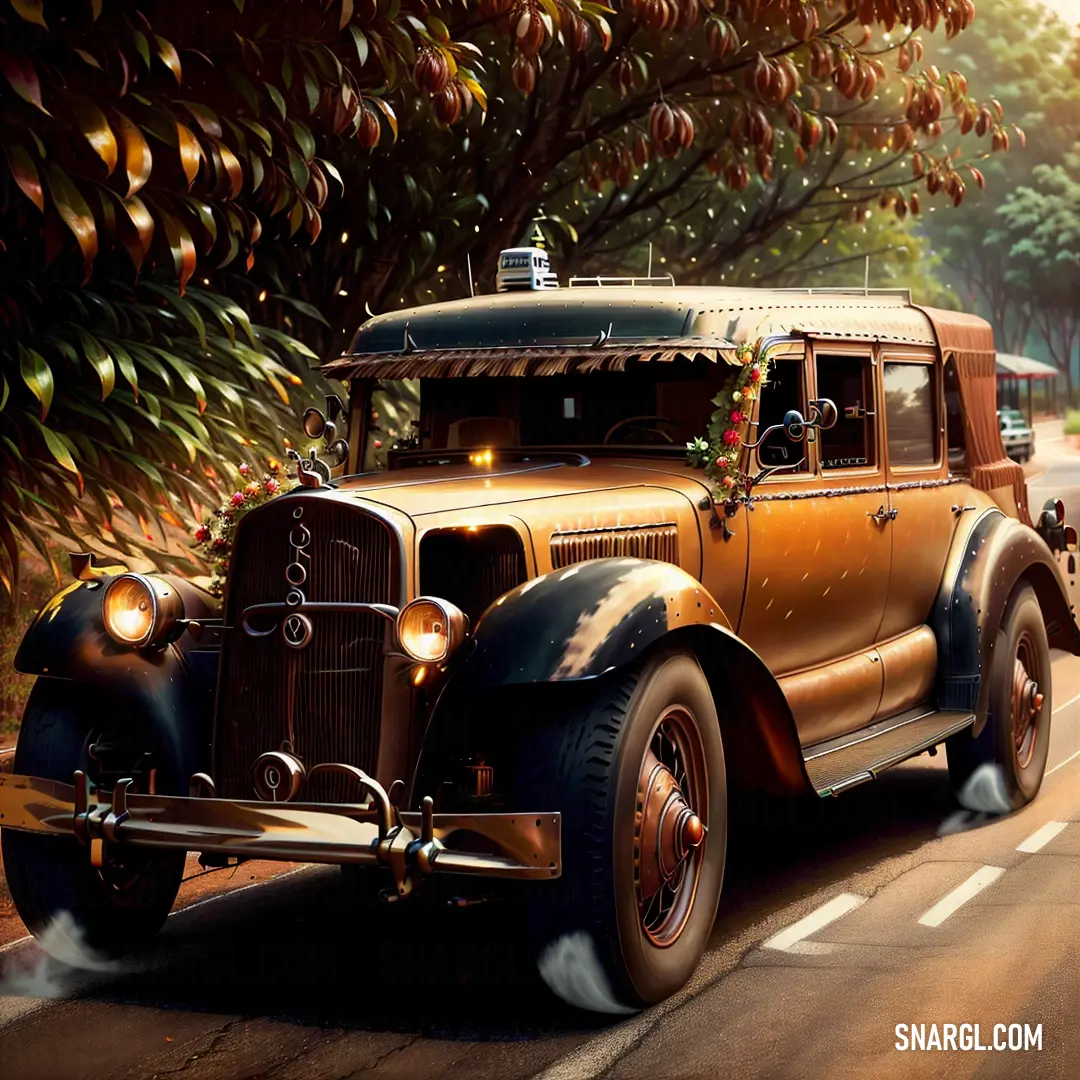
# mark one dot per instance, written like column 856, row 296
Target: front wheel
column 1011, row 749
column 122, row 905
column 635, row 763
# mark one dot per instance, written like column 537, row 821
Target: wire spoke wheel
column 1027, row 699
column 670, row 834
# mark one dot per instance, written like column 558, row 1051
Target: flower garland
column 214, row 538
column 719, row 452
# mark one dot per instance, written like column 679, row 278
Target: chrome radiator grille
column 325, row 699
column 657, row 541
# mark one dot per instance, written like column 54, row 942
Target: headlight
column 430, row 630
column 140, row 609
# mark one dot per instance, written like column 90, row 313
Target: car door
column 819, row 554
column 923, row 518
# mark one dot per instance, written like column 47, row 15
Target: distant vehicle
column 524, row 268
column 1016, row 434
column 538, row 656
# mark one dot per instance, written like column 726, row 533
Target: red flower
column 202, row 534
column 220, row 544
column 251, row 490
column 731, row 437
column 728, row 481
column 721, row 462
column 378, row 444
column 237, row 498
column 272, row 486
column 245, row 469
column 755, row 373
column 738, row 416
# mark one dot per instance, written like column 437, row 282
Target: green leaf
column 186, row 308
column 58, row 448
column 5, row 392
column 100, row 361
column 300, row 172
column 303, row 307
column 30, row 10
column 332, row 169
column 361, row 44
column 37, row 375
column 276, row 98
column 261, row 132
column 126, row 366
column 187, row 375
column 311, row 90
column 304, row 139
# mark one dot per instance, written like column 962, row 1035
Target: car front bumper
column 373, row 833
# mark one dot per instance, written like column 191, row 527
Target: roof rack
column 849, row 291
column 579, row 282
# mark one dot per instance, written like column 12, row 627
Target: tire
column 116, row 909
column 582, row 753
column 1016, row 735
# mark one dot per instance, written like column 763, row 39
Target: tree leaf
column 75, row 213
column 26, row 174
column 37, row 375
column 21, row 73
column 260, row 131
column 4, row 392
column 234, row 172
column 169, row 56
column 30, row 10
column 187, row 375
column 58, row 448
column 138, row 160
column 299, row 170
column 332, row 169
column 361, row 44
column 99, row 359
column 304, row 139
column 126, row 366
column 191, row 152
column 144, row 228
column 182, row 247
column 206, row 118
column 391, row 116
column 346, row 13
column 95, row 129
column 276, row 98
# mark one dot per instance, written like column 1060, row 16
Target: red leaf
column 22, row 75
column 26, row 174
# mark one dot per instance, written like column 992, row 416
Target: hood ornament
column 314, row 471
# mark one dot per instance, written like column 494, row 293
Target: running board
column 839, row 764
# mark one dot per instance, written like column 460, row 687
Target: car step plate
column 853, row 759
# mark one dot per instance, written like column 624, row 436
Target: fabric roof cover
column 969, row 340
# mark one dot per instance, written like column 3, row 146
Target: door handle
column 883, row 515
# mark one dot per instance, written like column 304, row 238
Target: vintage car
column 539, row 654
column 1017, row 435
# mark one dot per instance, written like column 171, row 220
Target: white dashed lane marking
column 836, row 908
column 963, row 892
column 1041, row 837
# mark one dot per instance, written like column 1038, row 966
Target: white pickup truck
column 1016, row 434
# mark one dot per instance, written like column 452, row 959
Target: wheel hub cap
column 670, row 829
column 1027, row 700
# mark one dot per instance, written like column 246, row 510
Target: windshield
column 652, row 406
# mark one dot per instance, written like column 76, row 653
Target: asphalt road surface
column 840, row 920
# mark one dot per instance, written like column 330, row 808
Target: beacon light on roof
column 524, row 268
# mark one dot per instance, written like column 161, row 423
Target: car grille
column 325, row 698
column 659, row 541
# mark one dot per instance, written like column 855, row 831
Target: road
column 840, row 920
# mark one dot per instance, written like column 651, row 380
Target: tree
column 1017, row 50
column 172, row 168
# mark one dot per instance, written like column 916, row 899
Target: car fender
column 986, row 564
column 171, row 687
column 586, row 620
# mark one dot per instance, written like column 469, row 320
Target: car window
column 848, row 382
column 785, row 390
column 955, row 431
column 910, row 413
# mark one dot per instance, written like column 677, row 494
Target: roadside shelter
column 1016, row 371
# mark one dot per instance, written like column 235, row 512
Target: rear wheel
column 635, row 764
column 123, row 904
column 1015, row 739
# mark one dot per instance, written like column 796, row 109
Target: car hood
column 442, row 488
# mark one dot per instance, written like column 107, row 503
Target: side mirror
column 795, row 426
column 823, row 413
column 314, row 423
